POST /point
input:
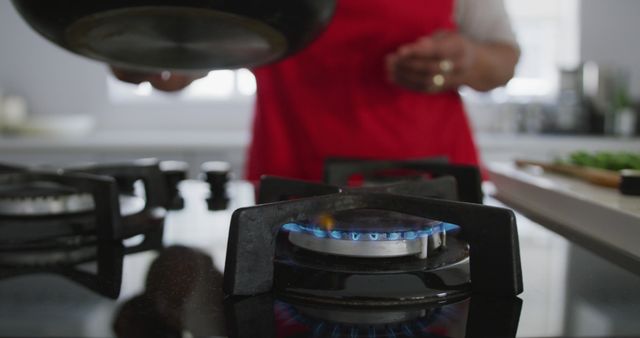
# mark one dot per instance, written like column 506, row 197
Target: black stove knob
column 630, row 183
column 174, row 172
column 126, row 185
column 217, row 174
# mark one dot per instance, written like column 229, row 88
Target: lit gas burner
column 370, row 233
column 371, row 247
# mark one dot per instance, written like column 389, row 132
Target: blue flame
column 292, row 227
column 437, row 228
column 336, row 331
column 410, row 235
column 394, row 236
column 318, row 330
column 354, row 332
column 390, row 333
column 425, row 233
column 407, row 330
column 449, row 227
column 319, row 233
column 372, row 332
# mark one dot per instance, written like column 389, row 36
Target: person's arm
column 494, row 65
column 449, row 60
column 482, row 55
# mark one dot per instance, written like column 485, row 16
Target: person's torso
column 334, row 99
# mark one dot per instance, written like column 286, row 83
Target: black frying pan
column 179, row 34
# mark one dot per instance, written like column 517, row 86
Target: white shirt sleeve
column 485, row 21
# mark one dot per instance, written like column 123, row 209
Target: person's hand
column 432, row 64
column 164, row 81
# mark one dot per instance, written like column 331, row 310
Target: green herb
column 605, row 160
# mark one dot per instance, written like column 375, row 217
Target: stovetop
column 178, row 292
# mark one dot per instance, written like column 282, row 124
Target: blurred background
column 577, row 88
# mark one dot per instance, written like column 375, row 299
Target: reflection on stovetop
column 177, row 292
column 471, row 317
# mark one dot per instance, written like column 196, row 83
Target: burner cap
column 34, row 190
column 42, row 198
column 370, row 233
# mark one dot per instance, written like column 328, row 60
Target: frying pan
column 186, row 35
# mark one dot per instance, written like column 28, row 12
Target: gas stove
column 371, row 245
column 53, row 220
column 372, row 257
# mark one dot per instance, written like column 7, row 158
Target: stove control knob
column 126, row 185
column 174, row 172
column 630, row 183
column 217, row 175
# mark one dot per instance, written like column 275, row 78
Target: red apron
column 334, row 100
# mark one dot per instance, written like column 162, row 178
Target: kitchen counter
column 598, row 218
column 195, row 147
column 127, row 140
column 192, row 147
column 166, row 139
column 505, row 147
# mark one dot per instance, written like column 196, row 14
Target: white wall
column 54, row 81
column 58, row 82
column 610, row 35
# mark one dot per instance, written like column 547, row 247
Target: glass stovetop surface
column 569, row 292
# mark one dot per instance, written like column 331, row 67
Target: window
column 218, row 85
column 548, row 32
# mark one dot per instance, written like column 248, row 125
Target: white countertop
column 569, row 142
column 207, row 140
column 599, row 218
column 128, row 140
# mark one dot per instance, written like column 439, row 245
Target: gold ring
column 438, row 81
column 446, row 66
